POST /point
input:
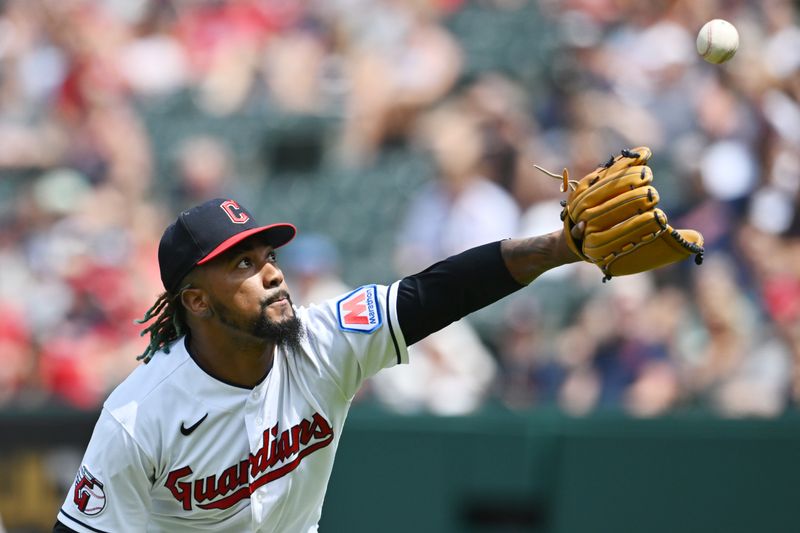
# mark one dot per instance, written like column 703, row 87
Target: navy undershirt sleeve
column 451, row 289
column 61, row 528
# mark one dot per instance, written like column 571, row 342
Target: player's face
column 248, row 294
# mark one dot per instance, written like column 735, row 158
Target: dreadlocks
column 169, row 324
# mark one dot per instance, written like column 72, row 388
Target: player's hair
column 169, row 324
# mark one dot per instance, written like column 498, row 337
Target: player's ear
column 195, row 301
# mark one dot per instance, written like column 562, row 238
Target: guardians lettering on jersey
column 233, row 484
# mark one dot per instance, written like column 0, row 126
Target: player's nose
column 271, row 275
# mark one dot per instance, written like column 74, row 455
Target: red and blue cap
column 205, row 231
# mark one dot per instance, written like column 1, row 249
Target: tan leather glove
column 625, row 232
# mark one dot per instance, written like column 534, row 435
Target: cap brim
column 277, row 235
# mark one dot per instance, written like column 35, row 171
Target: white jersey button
column 259, row 421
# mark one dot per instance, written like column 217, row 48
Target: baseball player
column 233, row 422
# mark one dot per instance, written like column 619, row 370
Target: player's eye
column 244, row 262
column 272, row 257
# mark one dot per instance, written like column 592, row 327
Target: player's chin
column 281, row 311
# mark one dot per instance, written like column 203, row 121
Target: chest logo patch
column 359, row 311
column 88, row 494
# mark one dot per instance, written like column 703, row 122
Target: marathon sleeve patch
column 360, row 311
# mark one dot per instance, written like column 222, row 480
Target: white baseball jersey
column 175, row 449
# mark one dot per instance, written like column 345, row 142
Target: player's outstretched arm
column 461, row 284
column 527, row 259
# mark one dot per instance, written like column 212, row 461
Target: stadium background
column 394, row 133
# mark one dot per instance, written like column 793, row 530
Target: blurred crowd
column 83, row 203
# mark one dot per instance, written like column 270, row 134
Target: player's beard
column 287, row 332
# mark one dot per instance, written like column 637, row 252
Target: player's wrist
column 565, row 250
column 527, row 259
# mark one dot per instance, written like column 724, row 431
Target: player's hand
column 578, row 230
column 563, row 251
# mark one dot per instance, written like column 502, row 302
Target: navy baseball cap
column 205, row 231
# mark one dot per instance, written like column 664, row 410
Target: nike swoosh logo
column 188, row 431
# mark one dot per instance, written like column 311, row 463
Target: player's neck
column 235, row 361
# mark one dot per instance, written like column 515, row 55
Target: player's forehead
column 253, row 243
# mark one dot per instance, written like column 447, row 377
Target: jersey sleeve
column 111, row 491
column 356, row 335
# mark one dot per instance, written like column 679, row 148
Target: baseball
column 717, row 41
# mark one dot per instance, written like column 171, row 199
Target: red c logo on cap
column 234, row 212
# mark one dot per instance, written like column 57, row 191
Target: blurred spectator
column 17, row 358
column 529, row 374
column 452, row 374
column 153, row 62
column 627, row 358
column 202, row 170
column 312, row 268
column 734, row 364
column 400, row 61
column 460, row 209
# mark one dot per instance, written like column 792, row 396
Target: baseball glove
column 625, row 232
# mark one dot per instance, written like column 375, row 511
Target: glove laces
column 565, row 183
